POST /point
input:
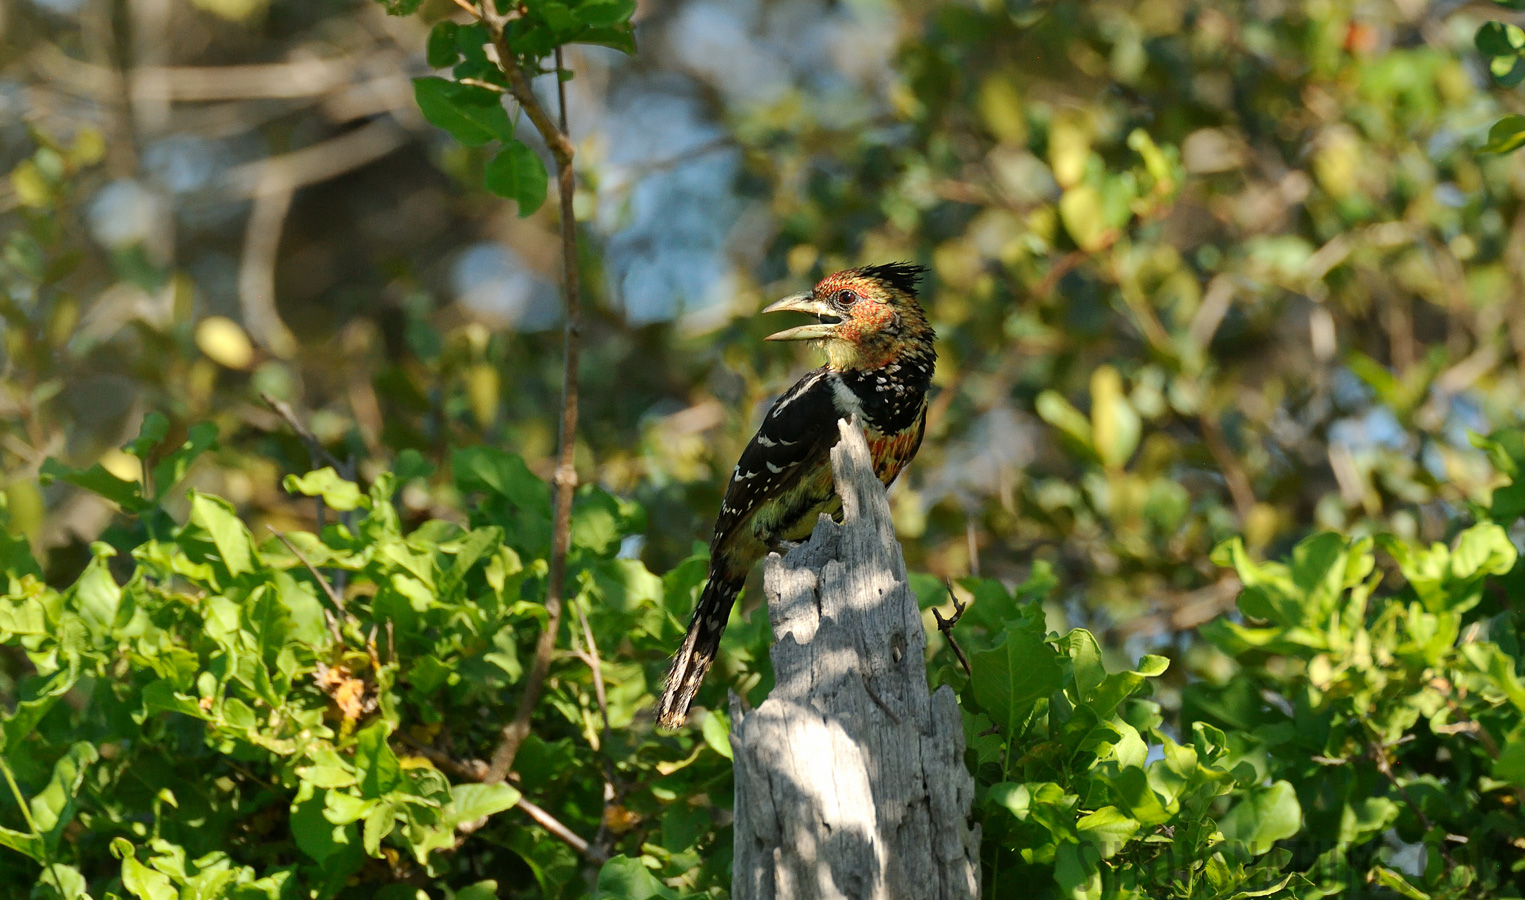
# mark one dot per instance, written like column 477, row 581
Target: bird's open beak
column 808, row 304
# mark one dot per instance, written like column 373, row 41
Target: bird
column 880, row 357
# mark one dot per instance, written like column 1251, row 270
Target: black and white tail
column 699, row 648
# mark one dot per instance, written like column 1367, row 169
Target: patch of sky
column 493, row 283
column 674, row 228
column 1349, row 391
column 182, row 163
column 1377, row 428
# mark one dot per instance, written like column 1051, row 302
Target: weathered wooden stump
column 850, row 778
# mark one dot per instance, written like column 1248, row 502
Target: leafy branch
column 1502, row 44
column 521, row 37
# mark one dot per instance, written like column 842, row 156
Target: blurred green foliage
column 1206, row 275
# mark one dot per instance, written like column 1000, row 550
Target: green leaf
column 472, row 115
column 604, row 13
column 441, row 49
column 1397, row 882
column 155, row 429
column 1482, row 549
column 717, row 732
column 229, row 535
column 1081, row 210
column 1115, row 425
column 314, row 834
column 23, row 843
column 173, row 467
column 15, row 727
column 379, row 823
column 1263, row 817
column 126, row 494
column 96, row 594
column 1131, row 786
column 1085, row 661
column 1499, row 39
column 482, row 890
column 341, row 808
column 1108, row 828
column 143, row 882
column 618, row 37
column 160, row 696
column 53, row 807
column 1506, row 135
column 379, row 769
column 1011, row 677
column 623, row 878
column 505, row 474
column 469, row 802
column 1057, row 411
column 336, row 492
column 1510, row 766
column 1077, row 871
column 517, row 173
column 67, row 881
column 1364, row 818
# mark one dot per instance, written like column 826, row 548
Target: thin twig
column 315, row 447
column 328, row 589
column 476, row 770
column 469, row 769
column 946, row 626
column 596, row 665
column 612, row 792
column 562, row 833
column 477, row 82
column 1378, row 753
column 565, row 478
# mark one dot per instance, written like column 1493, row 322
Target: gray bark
column 850, row 777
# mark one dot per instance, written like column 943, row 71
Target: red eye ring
column 845, row 297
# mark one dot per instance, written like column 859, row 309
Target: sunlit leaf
column 473, row 115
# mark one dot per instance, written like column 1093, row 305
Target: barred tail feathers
column 700, row 646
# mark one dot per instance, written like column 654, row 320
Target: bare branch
column 288, row 80
column 256, row 271
column 612, row 791
column 561, row 832
column 565, row 479
column 946, row 626
column 315, row 447
column 320, row 162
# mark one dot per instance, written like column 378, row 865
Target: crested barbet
column 879, row 361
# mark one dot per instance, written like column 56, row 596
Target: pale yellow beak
column 808, row 304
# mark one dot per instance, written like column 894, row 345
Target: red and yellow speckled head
column 868, row 316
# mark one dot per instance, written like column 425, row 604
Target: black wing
column 799, row 428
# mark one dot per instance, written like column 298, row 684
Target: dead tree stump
column 850, row 778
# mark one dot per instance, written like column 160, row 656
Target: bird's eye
column 846, row 298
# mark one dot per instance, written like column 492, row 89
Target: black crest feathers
column 902, row 276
